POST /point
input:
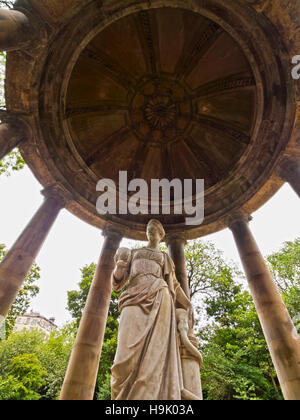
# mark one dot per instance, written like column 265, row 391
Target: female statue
column 147, row 364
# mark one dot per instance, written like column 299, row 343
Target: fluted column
column 289, row 171
column 281, row 335
column 81, row 376
column 12, row 133
column 18, row 261
column 176, row 244
column 16, row 30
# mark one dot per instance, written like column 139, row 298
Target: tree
column 26, row 376
column 28, row 291
column 285, row 268
column 285, row 265
column 237, row 364
column 11, row 163
column 53, row 355
column 205, row 267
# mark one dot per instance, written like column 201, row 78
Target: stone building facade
column 35, row 321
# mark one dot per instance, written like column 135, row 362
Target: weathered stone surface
column 191, row 359
column 15, row 30
column 289, row 171
column 236, row 117
column 12, row 133
column 80, row 380
column 147, row 364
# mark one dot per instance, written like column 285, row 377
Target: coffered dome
column 167, row 89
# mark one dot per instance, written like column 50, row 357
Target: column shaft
column 18, row 261
column 280, row 333
column 15, row 30
column 176, row 246
column 11, row 135
column 81, row 376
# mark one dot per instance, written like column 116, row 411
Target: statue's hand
column 120, row 269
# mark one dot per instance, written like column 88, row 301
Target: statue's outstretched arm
column 121, row 272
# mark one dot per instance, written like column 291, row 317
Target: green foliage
column 25, row 378
column 28, row 291
column 208, row 273
column 103, row 384
column 285, row 265
column 53, row 355
column 237, row 364
column 13, row 162
column 205, row 267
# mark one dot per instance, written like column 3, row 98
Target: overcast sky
column 72, row 243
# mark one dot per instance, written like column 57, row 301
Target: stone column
column 18, row 261
column 81, row 376
column 12, row 133
column 281, row 335
column 16, row 31
column 289, row 171
column 176, row 244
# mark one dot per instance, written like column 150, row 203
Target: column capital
column 237, row 216
column 288, row 168
column 175, row 237
column 57, row 193
column 13, row 132
column 16, row 120
column 112, row 232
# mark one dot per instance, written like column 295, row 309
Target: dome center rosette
column 160, row 110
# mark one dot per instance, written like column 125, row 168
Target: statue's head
column 155, row 231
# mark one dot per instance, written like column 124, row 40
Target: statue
column 148, row 364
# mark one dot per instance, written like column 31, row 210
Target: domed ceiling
column 166, row 89
column 163, row 93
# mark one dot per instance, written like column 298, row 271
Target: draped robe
column 147, row 364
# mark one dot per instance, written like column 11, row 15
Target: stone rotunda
column 162, row 89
